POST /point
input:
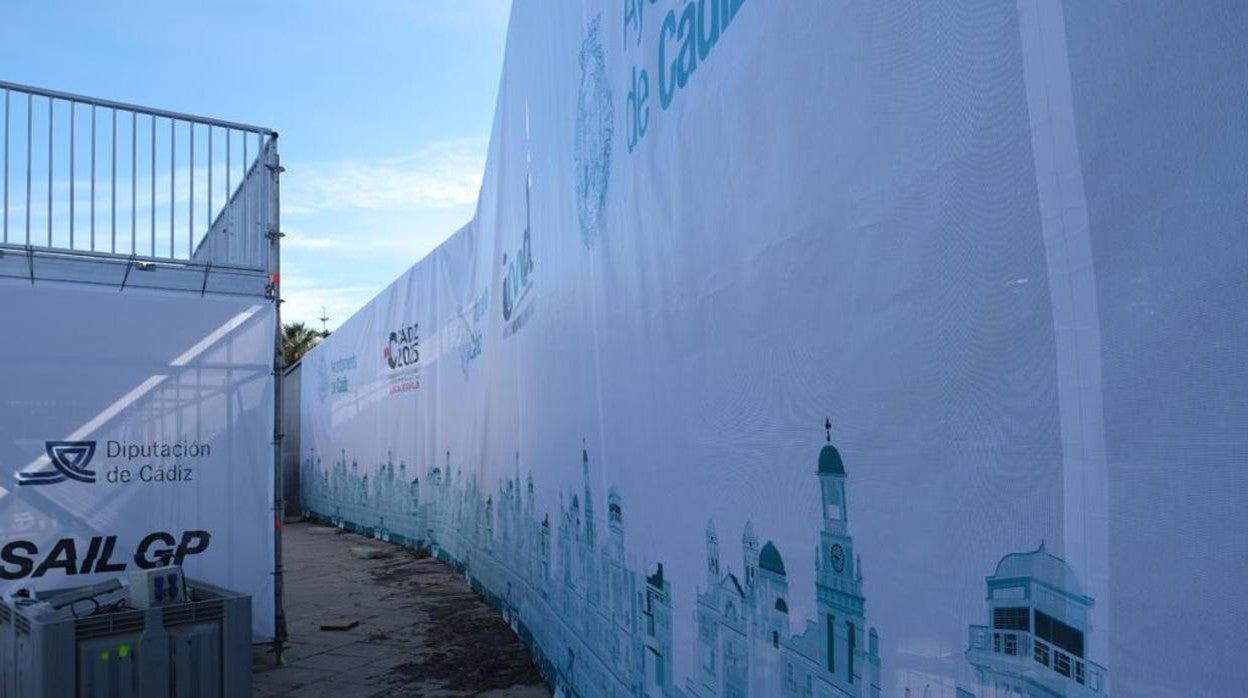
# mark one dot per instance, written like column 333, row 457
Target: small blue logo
column 469, row 348
column 70, row 460
column 322, row 379
column 471, row 340
column 595, row 117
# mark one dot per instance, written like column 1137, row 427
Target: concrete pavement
column 415, row 628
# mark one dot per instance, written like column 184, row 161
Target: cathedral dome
column 770, row 560
column 830, row 461
column 1041, row 566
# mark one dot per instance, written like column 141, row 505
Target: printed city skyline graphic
column 600, row 626
column 1034, row 641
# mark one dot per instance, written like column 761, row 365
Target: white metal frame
column 237, row 244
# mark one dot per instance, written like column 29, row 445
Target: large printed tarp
column 136, row 431
column 835, row 349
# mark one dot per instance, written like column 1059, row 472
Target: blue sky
column 384, row 109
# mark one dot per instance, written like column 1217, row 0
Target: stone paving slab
column 421, row 632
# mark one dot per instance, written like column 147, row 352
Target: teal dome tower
column 829, row 458
column 832, row 484
column 746, row 644
column 849, row 659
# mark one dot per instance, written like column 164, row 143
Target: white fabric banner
column 136, row 429
column 834, row 349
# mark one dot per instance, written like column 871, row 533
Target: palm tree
column 297, row 340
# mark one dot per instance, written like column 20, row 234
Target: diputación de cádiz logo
column 595, row 116
column 126, row 462
column 69, row 461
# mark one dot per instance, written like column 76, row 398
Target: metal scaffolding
column 96, row 204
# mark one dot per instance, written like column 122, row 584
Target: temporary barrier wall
column 291, row 386
column 137, row 347
column 834, row 349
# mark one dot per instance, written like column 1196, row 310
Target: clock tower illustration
column 842, row 606
column 745, row 641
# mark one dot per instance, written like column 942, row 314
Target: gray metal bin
column 190, row 650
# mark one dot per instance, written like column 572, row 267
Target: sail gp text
column 20, row 559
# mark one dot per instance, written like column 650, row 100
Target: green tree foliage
column 297, row 340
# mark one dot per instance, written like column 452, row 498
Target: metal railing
column 1024, row 648
column 203, row 212
column 92, row 175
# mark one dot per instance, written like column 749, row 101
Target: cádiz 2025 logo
column 69, row 462
column 595, row 116
column 403, row 348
